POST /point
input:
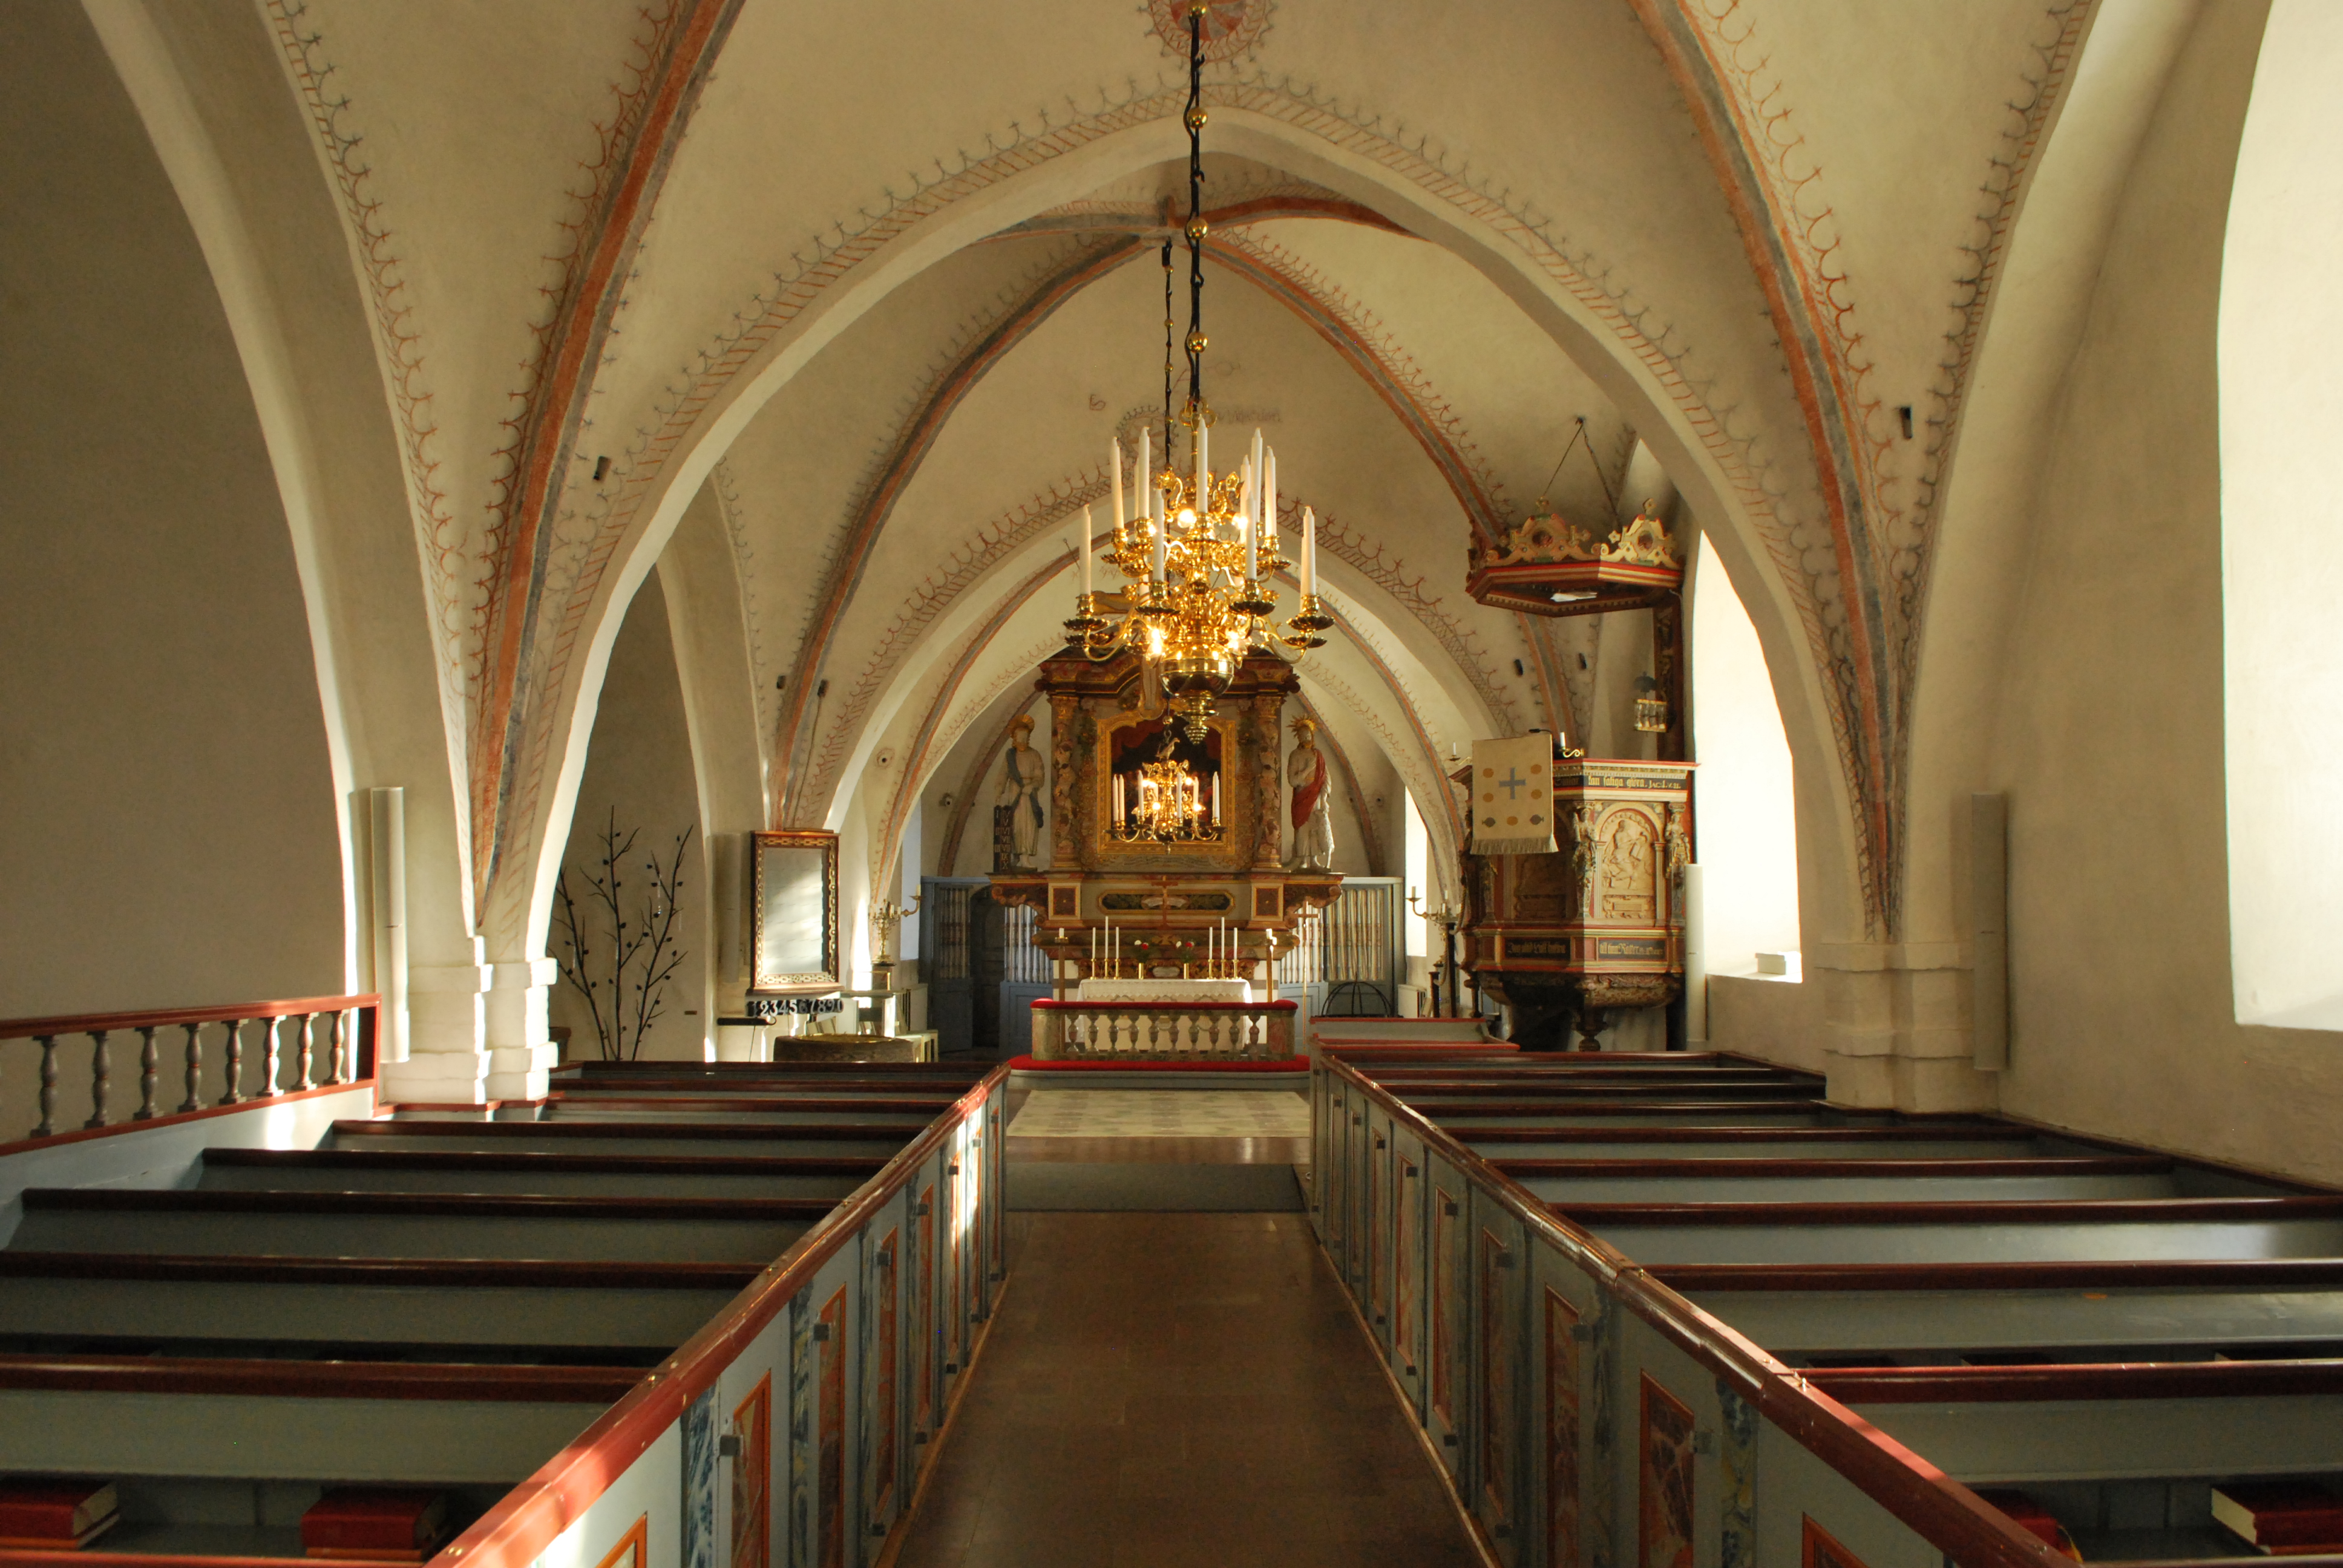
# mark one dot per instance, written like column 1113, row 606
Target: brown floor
column 1175, row 1389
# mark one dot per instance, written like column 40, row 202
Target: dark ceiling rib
column 1827, row 400
column 687, row 50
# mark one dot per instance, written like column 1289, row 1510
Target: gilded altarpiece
column 1159, row 899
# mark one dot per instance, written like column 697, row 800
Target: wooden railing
column 307, row 1042
column 1162, row 1031
column 922, row 1237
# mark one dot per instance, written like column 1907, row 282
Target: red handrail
column 160, row 1018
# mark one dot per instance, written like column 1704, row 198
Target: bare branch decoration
column 622, row 966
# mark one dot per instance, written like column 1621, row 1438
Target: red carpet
column 1030, row 1064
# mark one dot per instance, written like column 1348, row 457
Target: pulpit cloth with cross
column 1512, row 796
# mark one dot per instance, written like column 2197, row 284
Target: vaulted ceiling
column 871, row 286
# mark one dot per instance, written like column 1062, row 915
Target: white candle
column 1115, row 468
column 1268, row 495
column 1086, row 539
column 1309, row 552
column 1216, row 800
column 1139, row 477
column 1244, row 520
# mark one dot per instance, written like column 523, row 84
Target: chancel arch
column 1260, row 125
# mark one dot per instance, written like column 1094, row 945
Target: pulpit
column 1597, row 925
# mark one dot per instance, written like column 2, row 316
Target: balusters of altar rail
column 320, row 1047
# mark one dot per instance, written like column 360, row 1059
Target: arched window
column 2281, row 391
column 1743, row 802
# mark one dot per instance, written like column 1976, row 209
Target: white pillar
column 520, row 1051
column 446, row 1063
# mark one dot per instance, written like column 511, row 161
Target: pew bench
column 856, row 1140
column 1967, row 1232
column 404, row 1225
column 1573, row 1182
column 386, row 1423
column 542, row 1173
column 386, row 1309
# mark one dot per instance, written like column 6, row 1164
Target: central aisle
column 1174, row 1389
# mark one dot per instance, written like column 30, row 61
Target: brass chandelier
column 1171, row 806
column 1197, row 552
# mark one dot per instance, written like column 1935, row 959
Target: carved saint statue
column 1314, row 812
column 1021, row 793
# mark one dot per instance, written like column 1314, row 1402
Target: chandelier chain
column 1197, row 412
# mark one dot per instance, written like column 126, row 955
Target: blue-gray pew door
column 1571, row 1444
column 1498, row 1361
column 1405, row 1342
column 1448, row 1263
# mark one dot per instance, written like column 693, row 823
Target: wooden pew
column 1925, row 1314
column 1521, row 1112
column 637, row 1137
column 1747, row 1180
column 389, row 1423
column 903, row 1114
column 403, row 1225
column 543, row 1174
column 519, row 1310
column 484, row 1305
column 1523, row 1255
column 1726, row 1142
column 1883, row 1232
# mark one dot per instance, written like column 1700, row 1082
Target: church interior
column 1618, row 858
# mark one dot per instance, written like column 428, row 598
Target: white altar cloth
column 1164, row 991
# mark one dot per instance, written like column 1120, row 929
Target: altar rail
column 256, row 1050
column 1162, row 1031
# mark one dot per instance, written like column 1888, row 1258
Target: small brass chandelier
column 1197, row 553
column 1168, row 806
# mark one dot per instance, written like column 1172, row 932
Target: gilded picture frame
column 793, row 944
